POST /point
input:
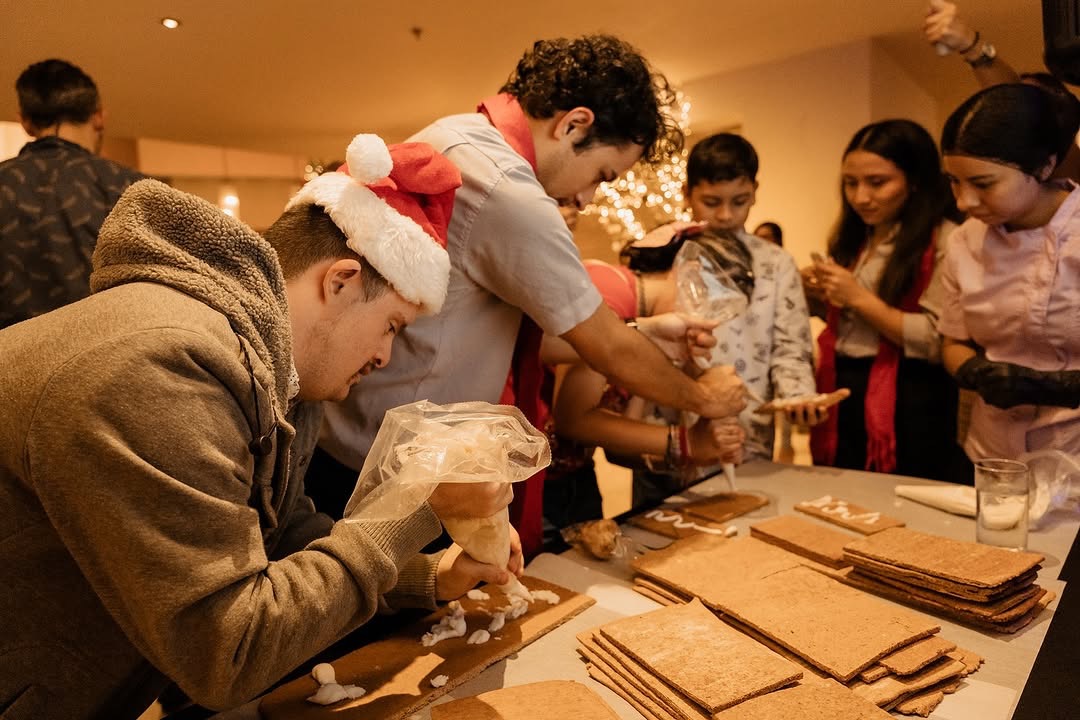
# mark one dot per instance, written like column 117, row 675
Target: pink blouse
column 1017, row 295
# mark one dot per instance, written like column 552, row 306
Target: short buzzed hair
column 306, row 235
column 55, row 91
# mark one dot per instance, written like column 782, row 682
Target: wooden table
column 990, row 694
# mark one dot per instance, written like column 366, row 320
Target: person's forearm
column 617, row 434
column 556, row 351
column 997, row 72
column 884, row 318
column 955, row 353
column 637, row 365
column 623, row 354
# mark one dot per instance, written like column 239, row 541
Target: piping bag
column 704, row 289
column 422, row 444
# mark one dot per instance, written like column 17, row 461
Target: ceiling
column 303, row 77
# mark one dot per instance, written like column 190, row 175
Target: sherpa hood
column 161, row 235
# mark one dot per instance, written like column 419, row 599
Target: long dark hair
column 911, row 148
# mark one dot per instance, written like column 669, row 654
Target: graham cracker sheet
column 873, row 673
column 924, row 702
column 620, row 666
column 548, row 700
column 921, row 703
column 702, row 565
column 948, row 587
column 692, row 650
column 672, row 597
column 658, row 598
column 810, row 672
column 972, row 661
column 914, row 657
column 1013, row 619
column 848, row 515
column 957, row 561
column 809, row 539
column 889, row 689
column 809, row 701
column 649, row 709
column 675, row 523
column 835, row 627
column 988, row 610
column 624, row 682
column 397, row 670
column 723, row 507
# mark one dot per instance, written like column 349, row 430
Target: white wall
column 895, row 94
column 261, row 200
column 12, row 138
column 799, row 113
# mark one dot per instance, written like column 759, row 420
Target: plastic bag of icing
column 702, row 288
column 1054, row 482
column 423, row 444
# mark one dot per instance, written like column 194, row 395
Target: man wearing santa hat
column 154, row 438
column 573, row 114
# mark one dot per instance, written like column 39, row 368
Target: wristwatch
column 987, row 53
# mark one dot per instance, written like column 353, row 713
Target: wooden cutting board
column 548, row 700
column 397, row 671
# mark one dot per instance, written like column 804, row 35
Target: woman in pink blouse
column 1011, row 279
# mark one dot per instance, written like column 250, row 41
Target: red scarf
column 526, row 371
column 880, row 405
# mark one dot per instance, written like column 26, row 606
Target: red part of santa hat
column 393, row 204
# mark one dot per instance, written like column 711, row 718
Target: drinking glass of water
column 1001, row 515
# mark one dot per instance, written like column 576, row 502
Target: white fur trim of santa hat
column 413, row 262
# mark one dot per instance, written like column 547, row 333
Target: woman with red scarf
column 881, row 298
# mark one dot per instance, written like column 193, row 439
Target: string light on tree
column 645, row 196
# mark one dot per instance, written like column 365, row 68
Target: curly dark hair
column 631, row 102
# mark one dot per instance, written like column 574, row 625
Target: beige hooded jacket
column 143, row 535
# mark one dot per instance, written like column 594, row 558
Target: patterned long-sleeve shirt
column 769, row 344
column 54, row 196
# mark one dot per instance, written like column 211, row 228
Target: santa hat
column 393, row 204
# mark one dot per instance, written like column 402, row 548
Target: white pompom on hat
column 393, row 204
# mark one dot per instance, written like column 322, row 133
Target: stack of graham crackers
column 683, row 663
column 884, row 654
column 987, row 587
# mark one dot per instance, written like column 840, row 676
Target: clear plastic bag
column 1054, row 481
column 704, row 290
column 423, row 444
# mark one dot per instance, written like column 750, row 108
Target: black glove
column 1006, row 385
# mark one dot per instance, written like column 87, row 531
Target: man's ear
column 575, row 124
column 97, row 120
column 1048, row 169
column 342, row 282
column 27, row 126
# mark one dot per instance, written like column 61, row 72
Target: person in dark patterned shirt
column 55, row 194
